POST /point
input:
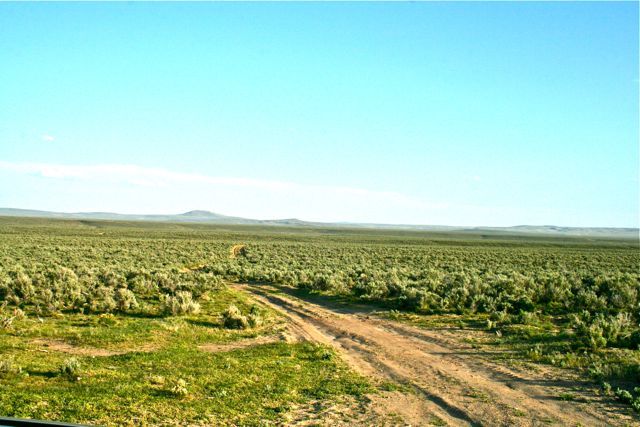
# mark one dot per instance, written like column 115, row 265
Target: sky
column 484, row 113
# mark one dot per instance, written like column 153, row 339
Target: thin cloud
column 137, row 189
column 134, row 176
column 48, row 138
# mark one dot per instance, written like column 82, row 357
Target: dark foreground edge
column 18, row 422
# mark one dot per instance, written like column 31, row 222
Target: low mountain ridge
column 208, row 217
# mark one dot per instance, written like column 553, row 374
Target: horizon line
column 344, row 223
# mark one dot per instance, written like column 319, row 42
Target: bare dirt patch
column 376, row 409
column 235, row 345
column 290, row 334
column 64, row 347
column 192, row 268
column 450, row 382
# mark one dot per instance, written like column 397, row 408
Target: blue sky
column 426, row 113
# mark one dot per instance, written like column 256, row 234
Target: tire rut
column 456, row 386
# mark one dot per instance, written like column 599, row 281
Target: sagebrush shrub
column 179, row 388
column 125, row 300
column 8, row 366
column 232, row 318
column 102, row 299
column 70, row 368
column 180, row 303
column 7, row 316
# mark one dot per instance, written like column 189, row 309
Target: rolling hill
column 207, row 217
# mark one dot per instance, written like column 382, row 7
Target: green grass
column 122, row 331
column 243, row 386
column 54, row 270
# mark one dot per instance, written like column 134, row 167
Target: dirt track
column 452, row 382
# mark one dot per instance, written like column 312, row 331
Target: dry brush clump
column 70, row 368
column 8, row 366
column 238, row 251
column 180, row 303
column 7, row 316
column 232, row 318
column 106, row 290
column 179, row 388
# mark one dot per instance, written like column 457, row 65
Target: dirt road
column 451, row 382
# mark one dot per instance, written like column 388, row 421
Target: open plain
column 196, row 324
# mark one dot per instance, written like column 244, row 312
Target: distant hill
column 191, row 216
column 576, row 230
column 207, row 217
column 567, row 231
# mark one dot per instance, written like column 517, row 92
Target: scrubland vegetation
column 148, row 294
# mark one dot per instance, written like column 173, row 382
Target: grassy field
column 138, row 369
column 114, row 323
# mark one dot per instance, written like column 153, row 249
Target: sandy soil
column 46, row 345
column 235, row 345
column 450, row 382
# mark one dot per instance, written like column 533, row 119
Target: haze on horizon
column 493, row 114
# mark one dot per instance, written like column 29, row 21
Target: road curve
column 453, row 383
